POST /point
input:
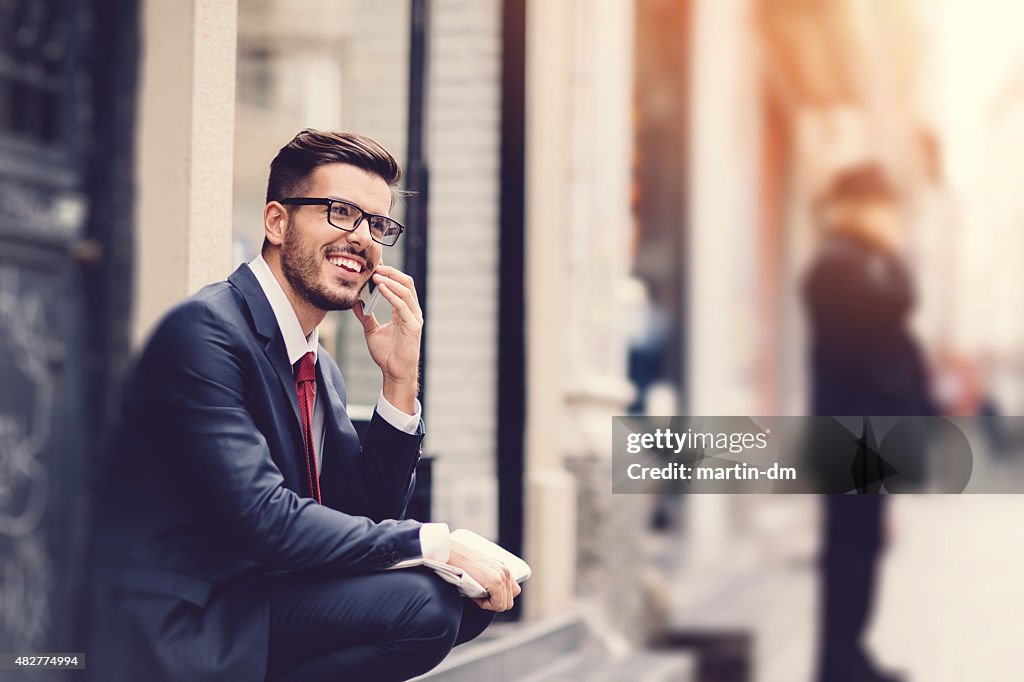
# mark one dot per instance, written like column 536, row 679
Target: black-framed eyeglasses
column 345, row 215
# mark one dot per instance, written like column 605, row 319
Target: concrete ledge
column 514, row 654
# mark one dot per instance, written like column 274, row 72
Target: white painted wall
column 184, row 152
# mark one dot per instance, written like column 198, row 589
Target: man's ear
column 275, row 222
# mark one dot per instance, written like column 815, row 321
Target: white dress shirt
column 434, row 537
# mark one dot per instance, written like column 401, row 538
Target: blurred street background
column 615, row 204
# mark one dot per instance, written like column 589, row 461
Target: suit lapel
column 278, row 356
column 324, row 379
column 267, row 327
column 339, row 438
column 327, row 392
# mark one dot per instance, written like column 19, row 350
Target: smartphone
column 374, row 295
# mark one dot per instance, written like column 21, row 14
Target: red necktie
column 305, row 386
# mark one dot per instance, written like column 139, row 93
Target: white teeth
column 345, row 263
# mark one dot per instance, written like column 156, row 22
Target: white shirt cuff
column 409, row 423
column 435, row 542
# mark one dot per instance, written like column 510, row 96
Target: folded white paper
column 467, row 585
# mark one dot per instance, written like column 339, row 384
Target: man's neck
column 876, row 239
column 309, row 315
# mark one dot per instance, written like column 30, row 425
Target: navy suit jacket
column 207, row 494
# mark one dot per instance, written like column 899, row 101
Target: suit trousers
column 852, row 545
column 391, row 625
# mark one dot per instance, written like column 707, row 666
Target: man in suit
column 245, row 529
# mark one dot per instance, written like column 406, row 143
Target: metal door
column 55, row 312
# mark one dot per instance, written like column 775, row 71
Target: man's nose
column 360, row 236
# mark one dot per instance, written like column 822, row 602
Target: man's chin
column 343, row 302
column 346, row 298
column 332, row 299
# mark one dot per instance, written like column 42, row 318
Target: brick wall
column 464, row 137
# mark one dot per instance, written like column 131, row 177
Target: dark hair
column 865, row 181
column 296, row 161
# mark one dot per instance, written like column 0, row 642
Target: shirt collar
column 295, row 342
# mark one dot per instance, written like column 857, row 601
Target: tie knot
column 306, row 368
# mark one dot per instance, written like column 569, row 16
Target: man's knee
column 432, row 622
column 436, row 610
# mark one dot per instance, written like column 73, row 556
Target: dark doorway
column 67, row 85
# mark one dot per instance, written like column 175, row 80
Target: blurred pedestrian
column 858, row 295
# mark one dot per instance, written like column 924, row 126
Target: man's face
column 326, row 266
column 878, row 220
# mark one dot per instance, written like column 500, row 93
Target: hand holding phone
column 394, row 345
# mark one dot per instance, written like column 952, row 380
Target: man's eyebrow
column 349, row 201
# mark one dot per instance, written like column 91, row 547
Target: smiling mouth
column 346, row 264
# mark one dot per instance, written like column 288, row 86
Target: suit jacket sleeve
column 195, row 372
column 385, row 469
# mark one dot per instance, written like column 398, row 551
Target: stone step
column 597, row 666
column 507, row 652
column 748, row 621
